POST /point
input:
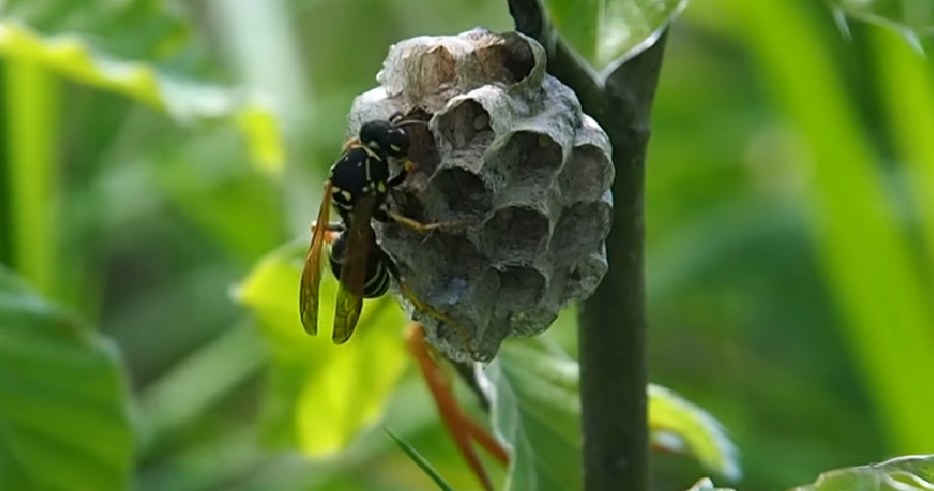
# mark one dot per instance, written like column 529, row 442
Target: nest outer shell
column 508, row 153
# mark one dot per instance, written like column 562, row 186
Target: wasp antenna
column 351, row 143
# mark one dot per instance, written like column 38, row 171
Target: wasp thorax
column 508, row 155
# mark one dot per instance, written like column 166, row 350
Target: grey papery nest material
column 508, row 153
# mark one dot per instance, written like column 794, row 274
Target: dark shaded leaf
column 64, row 420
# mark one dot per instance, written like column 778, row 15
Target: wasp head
column 383, row 136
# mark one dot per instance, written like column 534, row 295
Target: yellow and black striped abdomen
column 378, row 267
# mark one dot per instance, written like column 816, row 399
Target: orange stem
column 461, row 427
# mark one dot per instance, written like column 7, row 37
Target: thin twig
column 611, row 327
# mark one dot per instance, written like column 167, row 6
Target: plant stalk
column 612, row 323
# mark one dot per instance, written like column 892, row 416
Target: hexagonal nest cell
column 507, row 158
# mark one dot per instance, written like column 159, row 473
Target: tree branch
column 611, row 324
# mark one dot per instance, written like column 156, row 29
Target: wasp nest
column 508, row 155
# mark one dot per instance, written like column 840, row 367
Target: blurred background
column 790, row 216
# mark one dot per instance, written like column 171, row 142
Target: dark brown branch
column 612, row 325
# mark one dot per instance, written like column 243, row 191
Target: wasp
column 357, row 187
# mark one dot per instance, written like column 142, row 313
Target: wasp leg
column 420, row 306
column 331, row 227
column 407, row 167
column 461, row 428
column 421, row 227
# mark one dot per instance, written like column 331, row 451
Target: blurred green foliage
column 790, row 235
column 318, row 396
column 902, row 474
column 46, row 416
column 911, row 17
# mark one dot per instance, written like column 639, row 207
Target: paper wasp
column 357, row 187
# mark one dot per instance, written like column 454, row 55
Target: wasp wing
column 311, row 274
column 353, row 269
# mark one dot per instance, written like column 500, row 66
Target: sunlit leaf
column 608, row 32
column 679, row 425
column 321, row 395
column 262, row 130
column 536, row 411
column 911, row 15
column 31, row 104
column 69, row 56
column 914, row 473
column 421, row 461
column 64, row 420
column 908, row 93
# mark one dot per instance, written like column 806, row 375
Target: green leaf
column 916, row 16
column 680, row 426
column 64, row 421
column 907, row 90
column 421, row 461
column 536, row 411
column 321, row 395
column 130, row 28
column 899, row 474
column 70, row 57
column 851, row 207
column 608, row 32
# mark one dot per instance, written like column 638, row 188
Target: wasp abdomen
column 378, row 271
